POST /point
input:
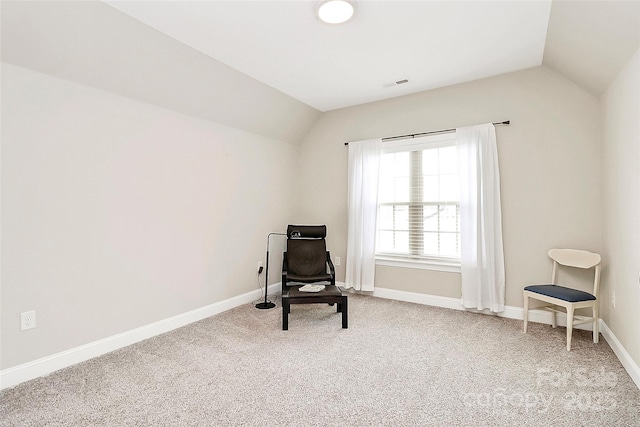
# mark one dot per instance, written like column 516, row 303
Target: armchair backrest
column 307, row 250
column 306, row 231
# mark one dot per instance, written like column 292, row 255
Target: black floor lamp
column 267, row 304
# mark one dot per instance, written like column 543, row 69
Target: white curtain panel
column 482, row 255
column 364, row 166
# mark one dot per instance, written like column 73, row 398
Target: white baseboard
column 537, row 316
column 625, row 358
column 433, row 300
column 46, row 365
column 510, row 312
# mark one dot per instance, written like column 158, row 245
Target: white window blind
column 418, row 200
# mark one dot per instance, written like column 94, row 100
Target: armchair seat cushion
column 308, row 279
column 328, row 291
column 561, row 292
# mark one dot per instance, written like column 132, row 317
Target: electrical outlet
column 260, row 267
column 337, row 260
column 27, row 320
column 613, row 299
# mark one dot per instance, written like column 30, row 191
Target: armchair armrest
column 285, row 268
column 332, row 269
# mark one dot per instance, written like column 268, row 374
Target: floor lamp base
column 265, row 305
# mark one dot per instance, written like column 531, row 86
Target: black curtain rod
column 413, row 135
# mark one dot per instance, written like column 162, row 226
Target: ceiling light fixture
column 335, row 11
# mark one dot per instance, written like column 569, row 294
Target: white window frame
column 449, row 264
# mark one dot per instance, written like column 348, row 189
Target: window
column 418, row 201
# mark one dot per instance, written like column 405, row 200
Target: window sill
column 451, row 266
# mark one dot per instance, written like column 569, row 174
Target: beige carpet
column 398, row 364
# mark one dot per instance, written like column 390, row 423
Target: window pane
column 401, row 217
column 430, row 162
column 430, row 190
column 449, row 244
column 385, row 241
column 385, row 217
column 430, row 244
column 430, row 218
column 402, row 242
column 401, row 163
column 449, row 218
column 401, row 189
column 418, row 195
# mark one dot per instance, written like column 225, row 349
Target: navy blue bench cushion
column 560, row 292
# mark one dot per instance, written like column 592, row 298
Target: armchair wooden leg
column 345, row 320
column 286, row 309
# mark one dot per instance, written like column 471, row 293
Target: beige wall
column 144, row 192
column 621, row 203
column 117, row 213
column 550, row 162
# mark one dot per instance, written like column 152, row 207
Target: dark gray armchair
column 308, row 261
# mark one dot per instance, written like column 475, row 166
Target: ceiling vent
column 401, row 82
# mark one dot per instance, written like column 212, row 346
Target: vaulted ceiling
column 429, row 43
column 271, row 67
